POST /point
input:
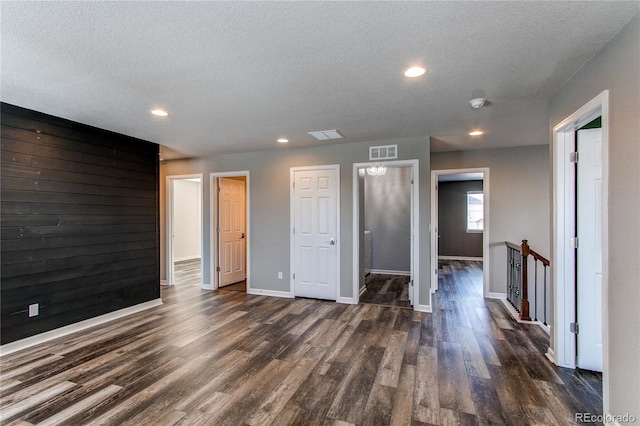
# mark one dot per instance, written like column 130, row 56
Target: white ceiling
column 237, row 75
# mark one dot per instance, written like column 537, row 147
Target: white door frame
column 169, row 225
column 213, row 237
column 415, row 233
column 292, row 171
column 563, row 351
column 486, row 233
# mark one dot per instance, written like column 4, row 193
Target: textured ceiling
column 237, row 75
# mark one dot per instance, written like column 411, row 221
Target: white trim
column 563, row 270
column 470, row 258
column 169, row 260
column 516, row 316
column 551, row 355
column 391, row 272
column 415, row 234
column 164, row 282
column 347, row 300
column 28, row 342
column 292, row 171
column 274, row 293
column 422, row 308
column 206, row 286
column 486, row 189
column 213, row 276
column 494, row 295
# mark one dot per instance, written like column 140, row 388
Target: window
column 475, row 211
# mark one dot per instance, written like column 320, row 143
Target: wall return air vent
column 383, row 152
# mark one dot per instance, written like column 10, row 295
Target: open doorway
column 184, row 245
column 230, row 236
column 385, row 233
column 580, row 255
column 460, row 229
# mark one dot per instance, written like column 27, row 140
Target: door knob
column 332, row 242
column 242, row 236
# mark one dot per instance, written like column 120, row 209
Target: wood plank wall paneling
column 79, row 224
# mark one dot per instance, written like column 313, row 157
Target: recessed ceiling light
column 414, row 72
column 159, row 112
column 476, row 133
column 283, row 140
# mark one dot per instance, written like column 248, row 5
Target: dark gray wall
column 79, row 222
column 519, row 199
column 616, row 68
column 388, row 217
column 452, row 220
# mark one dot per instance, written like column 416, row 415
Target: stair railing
column 518, row 281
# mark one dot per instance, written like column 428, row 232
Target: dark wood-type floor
column 388, row 290
column 228, row 358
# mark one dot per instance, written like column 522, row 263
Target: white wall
column 519, row 203
column 617, row 68
column 187, row 213
column 388, row 216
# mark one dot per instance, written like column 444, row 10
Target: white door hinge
column 574, row 242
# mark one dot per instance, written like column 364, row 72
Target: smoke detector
column 477, row 102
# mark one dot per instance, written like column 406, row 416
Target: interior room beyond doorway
column 386, row 207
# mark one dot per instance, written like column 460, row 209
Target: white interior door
column 315, row 219
column 589, row 252
column 231, row 216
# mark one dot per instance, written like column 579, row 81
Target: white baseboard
column 182, row 259
column 206, row 286
column 422, row 308
column 274, row 293
column 391, row 272
column 347, row 300
column 73, row 328
column 516, row 316
column 492, row 295
column 551, row 355
column 165, row 282
column 460, row 258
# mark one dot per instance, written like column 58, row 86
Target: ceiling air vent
column 323, row 135
column 383, row 152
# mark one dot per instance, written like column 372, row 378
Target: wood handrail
column 513, row 246
column 525, row 250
